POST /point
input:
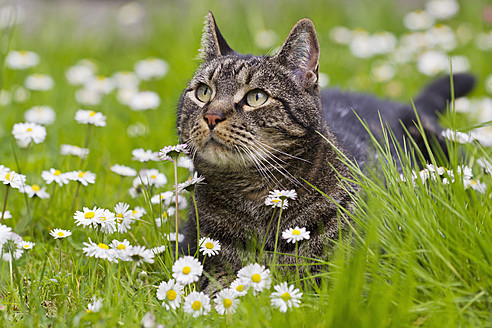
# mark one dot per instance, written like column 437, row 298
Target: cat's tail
column 436, row 95
column 434, row 99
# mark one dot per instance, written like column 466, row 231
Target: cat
column 258, row 123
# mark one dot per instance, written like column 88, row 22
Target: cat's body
column 253, row 125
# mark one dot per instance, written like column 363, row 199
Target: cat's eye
column 203, row 93
column 256, row 98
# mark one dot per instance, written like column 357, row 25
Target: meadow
column 104, row 78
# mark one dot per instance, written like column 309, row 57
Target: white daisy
column 126, row 80
column 95, row 305
column 124, row 216
column 197, row 304
column 170, row 293
column 21, row 59
column 276, row 202
column 15, row 180
column 172, row 237
column 163, row 197
column 28, row 245
column 6, row 215
column 88, row 217
column 123, row 170
column 4, row 233
column 74, row 151
column 44, row 115
column 90, row 117
column 239, row 287
column 12, row 247
column 100, row 251
column 152, row 177
column 89, row 97
column 475, row 185
column 5, row 97
column 106, row 221
column 190, row 184
column 158, row 249
column 432, row 62
column 296, row 234
column 456, row 136
column 465, row 171
column 442, row 9
column 159, row 221
column 84, row 177
column 145, row 100
column 54, row 175
column 60, row 233
column 121, row 248
column 226, row 302
column 151, row 68
column 283, row 194
column 79, row 74
column 142, row 155
column 170, row 153
column 100, row 84
column 125, row 97
column 139, row 255
column 39, row 82
column 209, row 246
column 185, row 162
column 285, row 297
column 35, row 190
column 29, row 132
column 138, row 212
column 187, row 269
column 255, row 276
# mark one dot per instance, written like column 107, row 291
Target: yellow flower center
column 240, row 288
column 92, row 113
column 23, row 52
column 153, row 176
column 134, row 212
column 296, row 232
column 7, row 176
column 227, row 303
column 35, row 188
column 171, row 295
column 81, row 174
column 119, row 215
column 26, row 246
column 57, row 172
column 121, row 246
column 89, row 215
column 61, row 234
column 102, row 218
column 275, row 200
column 29, row 130
column 100, row 78
column 256, row 278
column 197, row 305
column 186, row 270
column 89, row 311
column 209, row 245
column 103, row 246
column 286, row 296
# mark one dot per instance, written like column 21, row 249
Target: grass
column 416, row 256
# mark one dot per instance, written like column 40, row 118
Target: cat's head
column 239, row 110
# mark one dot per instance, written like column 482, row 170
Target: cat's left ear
column 213, row 43
column 300, row 53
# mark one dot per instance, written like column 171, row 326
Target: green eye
column 256, row 98
column 203, row 93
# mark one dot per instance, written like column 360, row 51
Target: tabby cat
column 258, row 123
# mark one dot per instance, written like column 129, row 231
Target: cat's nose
column 214, row 119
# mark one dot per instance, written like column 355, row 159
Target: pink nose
column 213, row 119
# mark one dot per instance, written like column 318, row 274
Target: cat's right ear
column 300, row 53
column 213, row 43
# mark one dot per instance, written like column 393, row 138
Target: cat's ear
column 300, row 53
column 213, row 43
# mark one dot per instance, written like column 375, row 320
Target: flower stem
column 197, row 222
column 266, row 234
column 298, row 279
column 175, row 162
column 5, row 201
column 75, row 196
column 276, row 236
column 60, row 262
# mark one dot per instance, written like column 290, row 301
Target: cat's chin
column 218, row 155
